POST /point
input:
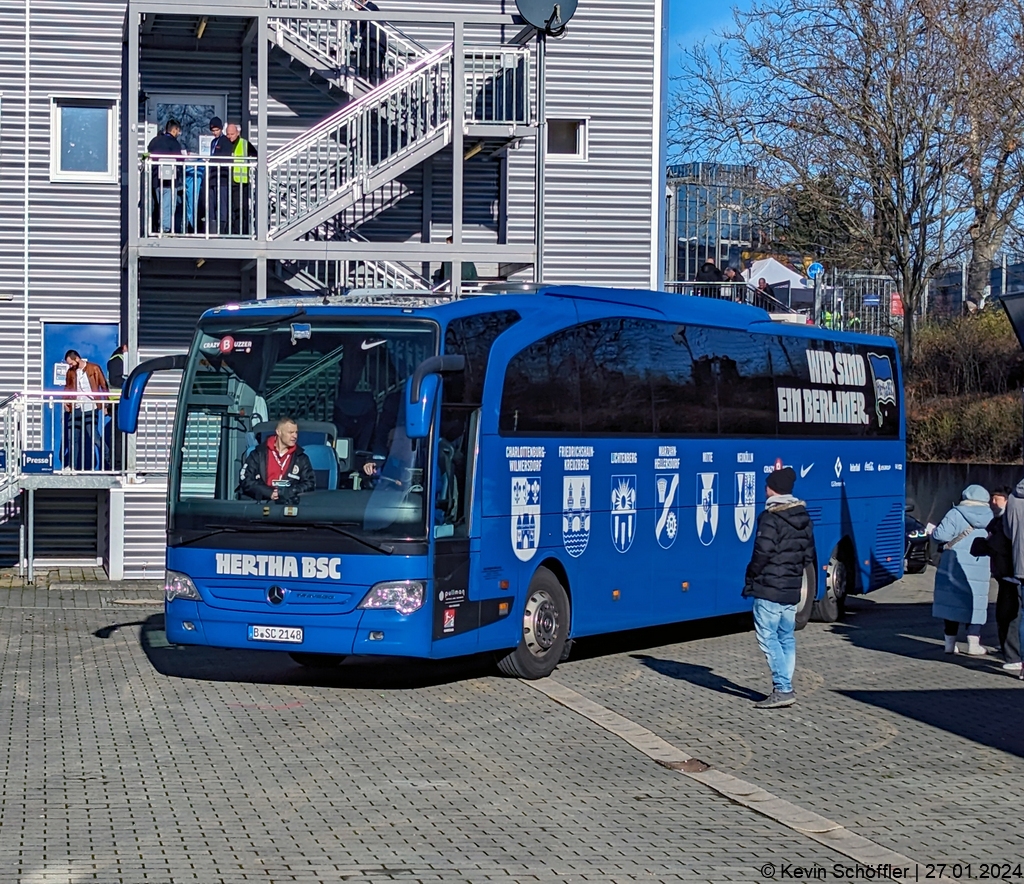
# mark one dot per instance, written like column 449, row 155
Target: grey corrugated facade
column 72, row 261
column 82, row 260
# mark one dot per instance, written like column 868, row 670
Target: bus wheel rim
column 540, row 623
column 837, row 580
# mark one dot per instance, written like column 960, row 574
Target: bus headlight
column 180, row 586
column 404, row 596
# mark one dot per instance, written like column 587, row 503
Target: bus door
column 456, row 619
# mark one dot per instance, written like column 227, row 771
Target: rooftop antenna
column 547, row 17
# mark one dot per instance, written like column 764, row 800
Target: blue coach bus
column 547, row 465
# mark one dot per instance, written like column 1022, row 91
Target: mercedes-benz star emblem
column 275, row 595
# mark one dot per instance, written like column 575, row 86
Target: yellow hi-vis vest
column 240, row 174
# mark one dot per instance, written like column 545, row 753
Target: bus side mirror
column 421, row 392
column 135, row 386
column 419, row 415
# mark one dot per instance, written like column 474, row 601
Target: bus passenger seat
column 355, row 415
column 325, row 466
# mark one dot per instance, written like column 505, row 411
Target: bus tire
column 566, row 651
column 316, row 661
column 808, row 590
column 831, row 606
column 544, row 632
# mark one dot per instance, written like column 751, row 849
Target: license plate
column 292, row 634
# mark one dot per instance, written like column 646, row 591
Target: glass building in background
column 714, row 210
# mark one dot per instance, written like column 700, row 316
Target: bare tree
column 989, row 111
column 879, row 99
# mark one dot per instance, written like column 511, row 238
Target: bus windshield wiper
column 385, row 548
column 275, row 527
column 240, row 529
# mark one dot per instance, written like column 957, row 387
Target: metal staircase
column 327, row 182
column 366, row 144
column 344, row 273
column 353, row 57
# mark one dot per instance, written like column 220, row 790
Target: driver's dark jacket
column 253, row 478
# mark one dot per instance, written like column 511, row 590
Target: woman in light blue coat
column 961, row 581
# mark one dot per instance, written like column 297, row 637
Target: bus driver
column 279, row 470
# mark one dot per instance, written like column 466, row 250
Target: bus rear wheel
column 830, row 607
column 808, row 590
column 316, row 661
column 545, row 628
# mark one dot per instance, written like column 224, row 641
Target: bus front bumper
column 361, row 632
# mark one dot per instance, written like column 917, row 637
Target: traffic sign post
column 816, row 271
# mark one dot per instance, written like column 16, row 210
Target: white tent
column 776, row 272
column 779, row 276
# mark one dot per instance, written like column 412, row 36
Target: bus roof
column 549, row 300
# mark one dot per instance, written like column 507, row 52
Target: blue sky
column 689, row 20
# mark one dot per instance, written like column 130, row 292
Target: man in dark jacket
column 783, row 549
column 168, row 178
column 278, row 470
column 709, row 272
column 998, row 547
column 1013, row 527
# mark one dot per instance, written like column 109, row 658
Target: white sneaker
column 1012, row 667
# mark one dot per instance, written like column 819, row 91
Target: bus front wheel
column 316, row 661
column 808, row 590
column 544, row 631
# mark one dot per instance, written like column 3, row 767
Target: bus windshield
column 336, row 383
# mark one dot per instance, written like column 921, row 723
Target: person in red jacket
column 278, row 470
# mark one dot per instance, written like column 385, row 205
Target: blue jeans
column 775, row 627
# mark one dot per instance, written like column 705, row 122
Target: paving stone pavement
column 127, row 760
column 917, row 750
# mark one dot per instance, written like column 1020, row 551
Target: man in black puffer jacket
column 783, row 549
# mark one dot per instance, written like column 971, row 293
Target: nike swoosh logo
column 805, row 470
column 369, row 345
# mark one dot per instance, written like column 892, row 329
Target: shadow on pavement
column 659, row 636
column 275, row 667
column 906, row 629
column 108, row 631
column 701, row 676
column 991, row 717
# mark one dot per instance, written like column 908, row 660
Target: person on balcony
column 86, row 380
column 239, row 198
column 217, row 181
column 168, row 178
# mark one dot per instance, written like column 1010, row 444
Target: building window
column 567, row 140
column 83, row 143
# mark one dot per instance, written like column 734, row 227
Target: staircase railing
column 341, row 152
column 345, row 152
column 66, row 435
column 370, row 51
column 338, row 273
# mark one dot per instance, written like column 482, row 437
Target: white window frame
column 112, row 105
column 582, row 154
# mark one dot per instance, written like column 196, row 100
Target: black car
column 918, row 549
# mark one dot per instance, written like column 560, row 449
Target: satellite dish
column 550, row 16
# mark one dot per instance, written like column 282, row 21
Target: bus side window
column 615, row 376
column 541, row 393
